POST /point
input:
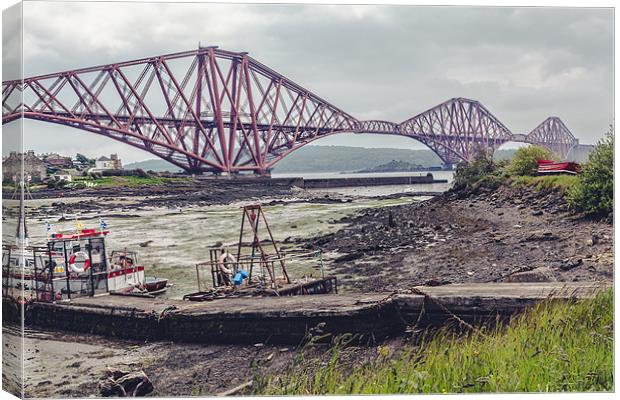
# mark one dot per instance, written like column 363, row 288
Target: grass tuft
column 549, row 182
column 553, row 347
column 129, row 181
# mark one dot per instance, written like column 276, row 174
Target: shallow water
column 181, row 237
column 382, row 190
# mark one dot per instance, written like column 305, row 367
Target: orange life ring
column 224, row 259
column 84, row 260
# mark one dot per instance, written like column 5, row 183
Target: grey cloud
column 387, row 62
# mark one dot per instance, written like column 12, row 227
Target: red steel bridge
column 211, row 110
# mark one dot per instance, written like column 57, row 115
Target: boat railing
column 47, row 274
column 260, row 269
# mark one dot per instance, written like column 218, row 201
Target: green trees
column 590, row 192
column 525, row 160
column 594, row 192
column 482, row 171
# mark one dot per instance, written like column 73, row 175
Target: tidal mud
column 513, row 234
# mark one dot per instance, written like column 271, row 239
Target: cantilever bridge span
column 220, row 111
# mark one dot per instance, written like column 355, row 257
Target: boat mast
column 21, row 233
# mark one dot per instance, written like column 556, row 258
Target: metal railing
column 38, row 273
column 261, row 270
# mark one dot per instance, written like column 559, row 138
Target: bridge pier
column 263, row 173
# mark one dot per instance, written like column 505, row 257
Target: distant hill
column 156, row 165
column 394, row 166
column 345, row 158
column 334, row 159
column 504, row 154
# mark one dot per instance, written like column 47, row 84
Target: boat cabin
column 72, row 264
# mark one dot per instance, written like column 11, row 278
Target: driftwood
column 125, row 384
column 236, row 389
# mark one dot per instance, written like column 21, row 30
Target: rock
column 391, row 222
column 570, row 264
column 125, row 384
column 541, row 274
column 349, row 257
column 437, row 282
column 540, row 237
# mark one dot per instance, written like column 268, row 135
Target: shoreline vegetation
column 553, row 347
column 590, row 192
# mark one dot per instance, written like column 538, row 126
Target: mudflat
column 509, row 235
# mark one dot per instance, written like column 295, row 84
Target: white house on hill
column 103, row 162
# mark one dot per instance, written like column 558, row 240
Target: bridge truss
column 211, row 110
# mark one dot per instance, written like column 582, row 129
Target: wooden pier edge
column 369, row 316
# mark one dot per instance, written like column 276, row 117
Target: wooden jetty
column 290, row 319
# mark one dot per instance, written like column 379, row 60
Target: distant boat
column 550, row 167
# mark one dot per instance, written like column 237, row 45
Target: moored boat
column 74, row 263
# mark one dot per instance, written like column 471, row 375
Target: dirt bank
column 61, row 364
column 196, row 192
column 514, row 234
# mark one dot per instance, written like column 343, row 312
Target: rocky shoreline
column 512, row 234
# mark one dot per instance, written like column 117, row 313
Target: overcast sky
column 383, row 62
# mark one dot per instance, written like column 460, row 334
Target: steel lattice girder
column 200, row 110
column 457, row 129
column 216, row 110
column 554, row 135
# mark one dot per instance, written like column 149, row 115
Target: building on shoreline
column 105, row 163
column 33, row 167
column 56, row 160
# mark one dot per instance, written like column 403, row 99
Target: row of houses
column 38, row 167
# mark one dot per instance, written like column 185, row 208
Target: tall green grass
column 129, row 181
column 555, row 346
column 548, row 182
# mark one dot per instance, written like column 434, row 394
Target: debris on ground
column 125, row 384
